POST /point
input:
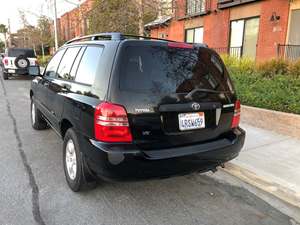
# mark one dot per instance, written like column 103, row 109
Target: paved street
column 33, row 188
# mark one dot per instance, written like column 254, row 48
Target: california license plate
column 191, row 121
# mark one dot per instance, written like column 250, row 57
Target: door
column 250, row 37
column 43, row 86
column 61, row 85
column 173, row 95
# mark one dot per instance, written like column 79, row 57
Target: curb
column 283, row 193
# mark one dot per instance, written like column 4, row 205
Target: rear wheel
column 75, row 169
column 37, row 120
column 5, row 76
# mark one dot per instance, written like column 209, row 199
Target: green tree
column 126, row 16
column 3, row 30
column 2, row 46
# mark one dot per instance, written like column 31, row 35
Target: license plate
column 191, row 121
column 11, row 71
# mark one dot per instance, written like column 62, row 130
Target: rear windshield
column 15, row 52
column 159, row 69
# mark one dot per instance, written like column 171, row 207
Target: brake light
column 111, row 123
column 237, row 114
column 5, row 61
column 179, row 45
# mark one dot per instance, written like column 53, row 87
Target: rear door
column 175, row 94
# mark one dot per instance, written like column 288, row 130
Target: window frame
column 244, row 26
column 194, row 11
column 66, row 49
column 86, row 46
column 194, row 29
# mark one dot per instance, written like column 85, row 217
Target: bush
column 44, row 62
column 274, row 84
column 294, row 69
column 273, row 67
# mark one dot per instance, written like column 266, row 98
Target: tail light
column 111, row 123
column 5, row 61
column 237, row 114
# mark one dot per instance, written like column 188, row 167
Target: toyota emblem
column 196, row 106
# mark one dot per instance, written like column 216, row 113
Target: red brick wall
column 175, row 31
column 217, row 27
column 71, row 23
column 272, row 33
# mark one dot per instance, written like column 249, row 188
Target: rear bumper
column 17, row 71
column 125, row 162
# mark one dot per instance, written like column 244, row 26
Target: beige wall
column 244, row 11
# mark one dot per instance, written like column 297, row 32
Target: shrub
column 44, row 62
column 273, row 67
column 294, row 69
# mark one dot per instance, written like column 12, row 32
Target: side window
column 53, row 64
column 88, row 65
column 66, row 63
column 76, row 63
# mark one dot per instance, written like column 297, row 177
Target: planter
column 280, row 122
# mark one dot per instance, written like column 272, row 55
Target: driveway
column 33, row 188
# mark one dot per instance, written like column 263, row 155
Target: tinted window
column 15, row 52
column 88, row 65
column 76, row 63
column 66, row 63
column 170, row 70
column 53, row 64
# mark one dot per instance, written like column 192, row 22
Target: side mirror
column 34, row 71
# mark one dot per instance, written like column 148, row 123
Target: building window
column 194, row 35
column 243, row 37
column 294, row 32
column 195, row 7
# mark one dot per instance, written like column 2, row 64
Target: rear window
column 159, row 69
column 15, row 52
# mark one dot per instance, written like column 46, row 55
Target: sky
column 9, row 9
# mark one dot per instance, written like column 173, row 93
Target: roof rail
column 112, row 36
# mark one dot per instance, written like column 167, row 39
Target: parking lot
column 33, row 188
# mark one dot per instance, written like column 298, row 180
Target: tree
column 126, row 16
column 3, row 30
column 2, row 46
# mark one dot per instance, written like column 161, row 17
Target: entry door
column 250, row 37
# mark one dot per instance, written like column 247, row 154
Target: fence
column 232, row 51
column 289, row 52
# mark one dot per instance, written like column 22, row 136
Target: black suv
column 131, row 108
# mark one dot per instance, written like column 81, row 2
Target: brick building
column 75, row 22
column 259, row 29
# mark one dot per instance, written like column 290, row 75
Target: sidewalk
column 270, row 162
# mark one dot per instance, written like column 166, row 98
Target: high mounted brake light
column 237, row 114
column 179, row 45
column 111, row 123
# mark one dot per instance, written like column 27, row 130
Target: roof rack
column 114, row 36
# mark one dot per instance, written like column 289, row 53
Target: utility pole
column 55, row 26
column 141, row 15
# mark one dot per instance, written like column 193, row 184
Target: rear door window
column 66, row 63
column 160, row 69
column 15, row 52
column 87, row 68
column 53, row 64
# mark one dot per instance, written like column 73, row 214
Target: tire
column 5, row 76
column 22, row 62
column 76, row 173
column 37, row 120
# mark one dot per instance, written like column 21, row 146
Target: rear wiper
column 191, row 93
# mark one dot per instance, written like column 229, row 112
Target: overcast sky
column 9, row 9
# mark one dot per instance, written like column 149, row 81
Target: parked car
column 129, row 108
column 17, row 61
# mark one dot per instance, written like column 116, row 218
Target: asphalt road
column 33, row 188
